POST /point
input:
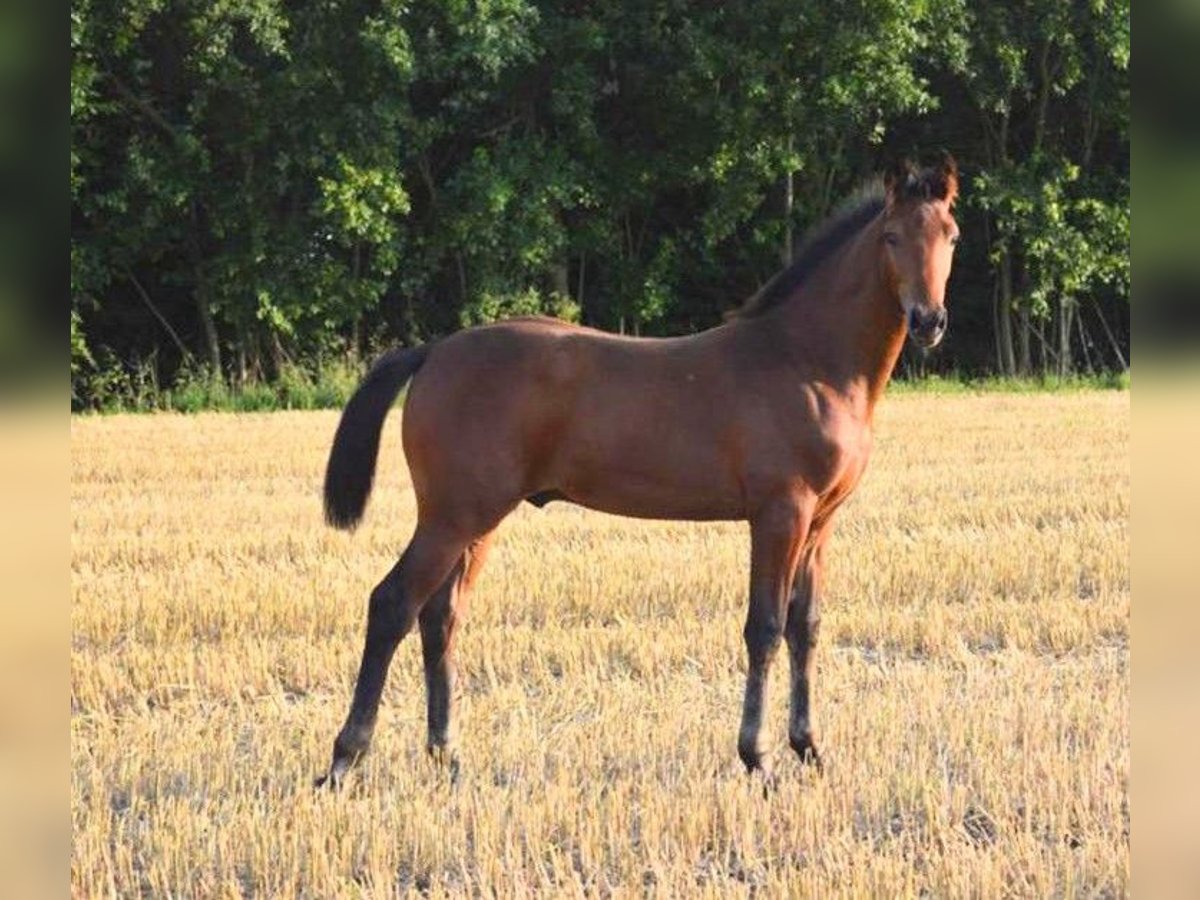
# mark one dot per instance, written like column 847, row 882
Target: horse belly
column 656, row 500
column 660, row 470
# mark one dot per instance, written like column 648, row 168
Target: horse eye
column 891, row 239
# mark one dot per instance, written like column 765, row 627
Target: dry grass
column 972, row 703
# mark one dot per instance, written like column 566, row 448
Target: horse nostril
column 927, row 325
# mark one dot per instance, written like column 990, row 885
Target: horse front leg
column 803, row 625
column 777, row 532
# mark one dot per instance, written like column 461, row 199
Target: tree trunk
column 408, row 316
column 1004, row 335
column 1116, row 347
column 579, row 290
column 202, row 295
column 789, row 200
column 278, row 356
column 1044, row 355
column 996, row 154
column 1085, row 342
column 240, row 356
column 358, row 337
column 560, row 282
column 1065, row 362
column 1043, row 97
column 461, row 265
column 1024, row 336
column 212, row 343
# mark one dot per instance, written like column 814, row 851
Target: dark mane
column 818, row 246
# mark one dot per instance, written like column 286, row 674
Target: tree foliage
column 257, row 182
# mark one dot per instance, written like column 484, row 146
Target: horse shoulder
column 836, row 444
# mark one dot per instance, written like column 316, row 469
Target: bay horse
column 766, row 418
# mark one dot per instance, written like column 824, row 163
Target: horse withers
column 766, row 418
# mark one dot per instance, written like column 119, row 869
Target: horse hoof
column 752, row 757
column 328, row 782
column 335, row 777
column 806, row 750
column 758, row 765
column 446, row 757
column 770, row 782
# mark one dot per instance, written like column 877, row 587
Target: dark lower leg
column 390, row 617
column 438, row 621
column 762, row 635
column 392, row 612
column 775, row 537
column 803, row 625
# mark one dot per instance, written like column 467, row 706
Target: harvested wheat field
column 972, row 702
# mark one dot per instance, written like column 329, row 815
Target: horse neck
column 845, row 322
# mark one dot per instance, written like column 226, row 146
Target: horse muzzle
column 927, row 327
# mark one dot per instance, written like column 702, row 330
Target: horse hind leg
column 439, row 621
column 394, row 607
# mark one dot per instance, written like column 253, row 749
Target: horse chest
column 829, row 453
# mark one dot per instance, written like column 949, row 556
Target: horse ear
column 949, row 172
column 897, row 180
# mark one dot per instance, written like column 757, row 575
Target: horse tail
column 351, row 468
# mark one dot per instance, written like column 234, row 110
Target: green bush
column 996, row 384
column 114, row 387
column 492, row 307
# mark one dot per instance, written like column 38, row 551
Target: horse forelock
column 925, row 185
column 934, row 183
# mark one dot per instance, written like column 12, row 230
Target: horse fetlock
column 353, row 741
column 443, row 754
column 441, row 742
column 752, row 749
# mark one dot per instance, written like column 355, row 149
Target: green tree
column 1049, row 83
column 257, row 183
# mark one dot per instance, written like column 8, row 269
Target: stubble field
column 972, row 701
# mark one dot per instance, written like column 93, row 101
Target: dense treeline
column 263, row 183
